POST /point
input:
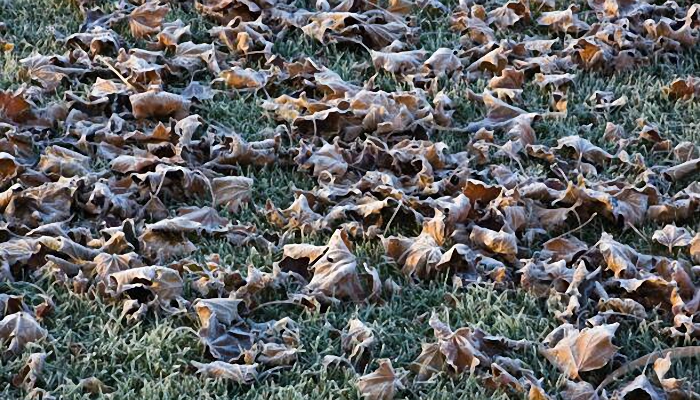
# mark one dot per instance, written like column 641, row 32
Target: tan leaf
column 563, row 21
column 158, row 104
column 59, row 161
column 461, row 348
column 241, row 374
column 19, row 329
column 501, row 242
column 273, row 354
column 208, row 218
column 695, row 248
column 442, row 62
column 326, row 159
column 94, row 385
column 172, row 32
column 661, row 368
column 510, row 13
column 672, row 236
column 640, row 386
column 579, row 391
column 223, row 310
column 430, row 361
column 8, row 167
column 624, row 306
column 683, row 88
column 564, row 248
column 10, row 304
column 14, row 107
column 583, row 149
column 683, row 170
column 222, row 342
column 335, row 272
column 404, row 62
column 232, row 191
column 160, row 283
column 298, row 215
column 357, row 341
column 581, row 351
column 245, row 79
column 167, row 238
column 146, row 19
column 618, row 257
column 418, row 256
column 27, row 377
column 380, row 384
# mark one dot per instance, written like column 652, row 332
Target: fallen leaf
column 672, row 236
column 241, row 374
column 574, row 351
column 232, row 191
column 380, row 384
column 146, row 19
column 18, row 330
column 158, row 104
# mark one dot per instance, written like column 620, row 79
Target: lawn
column 96, row 347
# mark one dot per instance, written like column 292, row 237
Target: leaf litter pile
column 480, row 163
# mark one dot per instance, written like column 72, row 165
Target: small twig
column 275, row 302
column 119, row 75
column 386, row 229
column 676, row 352
column 578, row 228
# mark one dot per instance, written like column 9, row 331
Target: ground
column 151, row 358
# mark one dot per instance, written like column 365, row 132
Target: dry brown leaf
column 418, row 256
column 14, row 107
column 683, row 88
column 430, row 361
column 326, row 159
column 335, row 272
column 661, row 368
column 640, row 387
column 273, row 354
column 10, row 304
column 403, row 62
column 579, row 391
column 461, row 348
column 510, row 13
column 501, row 242
column 623, row 306
column 94, row 385
column 358, row 342
column 146, row 19
column 167, row 238
column 442, row 62
column 19, row 329
column 232, row 191
column 59, row 161
column 298, row 215
column 695, row 248
column 215, row 316
column 563, row 21
column 618, row 257
column 681, row 171
column 380, row 384
column 147, row 284
column 172, row 33
column 241, row 374
column 672, row 236
column 158, row 104
column 245, row 79
column 27, row 377
column 574, row 351
column 564, row 248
